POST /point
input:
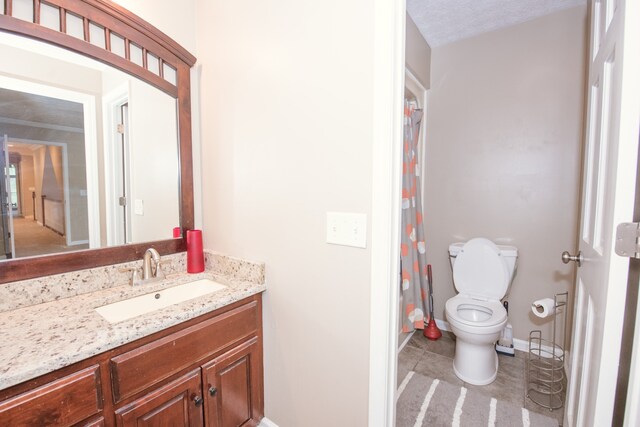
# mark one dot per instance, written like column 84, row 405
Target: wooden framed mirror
column 110, row 34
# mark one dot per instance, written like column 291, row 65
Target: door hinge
column 120, row 128
column 628, row 239
column 122, row 201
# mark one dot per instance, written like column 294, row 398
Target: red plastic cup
column 195, row 254
column 177, row 232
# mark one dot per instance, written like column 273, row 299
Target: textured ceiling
column 445, row 21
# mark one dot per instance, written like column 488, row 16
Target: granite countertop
column 41, row 338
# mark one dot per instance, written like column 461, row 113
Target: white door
column 607, row 199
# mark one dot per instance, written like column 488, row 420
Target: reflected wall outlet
column 348, row 229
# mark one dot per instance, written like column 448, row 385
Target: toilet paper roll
column 544, row 307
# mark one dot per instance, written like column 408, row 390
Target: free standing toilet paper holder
column 546, row 379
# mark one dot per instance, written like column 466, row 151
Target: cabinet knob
column 213, row 391
column 197, row 400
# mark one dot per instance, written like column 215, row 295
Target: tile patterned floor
column 435, row 359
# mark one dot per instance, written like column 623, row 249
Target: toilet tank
column 510, row 254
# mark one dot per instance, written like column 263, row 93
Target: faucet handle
column 159, row 271
column 134, row 273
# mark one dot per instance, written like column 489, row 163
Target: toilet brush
column 431, row 331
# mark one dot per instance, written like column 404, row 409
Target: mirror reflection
column 89, row 154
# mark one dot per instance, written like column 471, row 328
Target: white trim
column 518, row 344
column 422, row 137
column 388, row 93
column 406, row 340
column 111, row 104
column 91, row 168
column 7, row 186
column 90, row 146
column 443, row 325
column 632, row 409
column 266, row 422
column 78, row 242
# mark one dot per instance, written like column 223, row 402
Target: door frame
column 65, row 185
column 111, row 103
column 411, row 82
column 388, row 95
column 90, row 143
column 389, row 63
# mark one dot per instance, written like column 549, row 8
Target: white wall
column 178, row 21
column 286, row 102
column 504, row 131
column 175, row 19
column 154, row 152
column 286, row 123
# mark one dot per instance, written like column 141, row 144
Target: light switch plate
column 347, row 229
column 138, row 206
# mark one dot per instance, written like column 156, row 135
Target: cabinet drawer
column 145, row 366
column 65, row 401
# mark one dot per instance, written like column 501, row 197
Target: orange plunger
column 431, row 331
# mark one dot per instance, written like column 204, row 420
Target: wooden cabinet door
column 233, row 387
column 178, row 403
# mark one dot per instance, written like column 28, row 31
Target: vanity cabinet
column 176, row 404
column 230, row 399
column 66, row 401
column 206, row 371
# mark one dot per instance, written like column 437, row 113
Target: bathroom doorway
column 566, row 274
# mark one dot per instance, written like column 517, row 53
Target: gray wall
column 504, row 131
column 417, row 54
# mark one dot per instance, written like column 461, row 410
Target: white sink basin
column 129, row 308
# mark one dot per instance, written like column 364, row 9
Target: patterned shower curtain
column 413, row 264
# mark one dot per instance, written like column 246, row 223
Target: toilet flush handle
column 566, row 257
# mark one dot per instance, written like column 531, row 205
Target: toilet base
column 475, row 364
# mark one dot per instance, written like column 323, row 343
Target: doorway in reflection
column 40, row 199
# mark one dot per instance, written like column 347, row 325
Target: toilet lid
column 480, row 270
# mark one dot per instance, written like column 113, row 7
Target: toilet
column 482, row 275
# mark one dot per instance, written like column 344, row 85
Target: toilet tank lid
column 505, row 250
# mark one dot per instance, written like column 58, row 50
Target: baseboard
column 266, row 422
column 443, row 325
column 523, row 345
column 518, row 344
column 406, row 340
column 79, row 242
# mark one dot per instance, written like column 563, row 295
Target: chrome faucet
column 147, row 271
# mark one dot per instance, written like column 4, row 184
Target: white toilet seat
column 482, row 273
column 482, row 314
